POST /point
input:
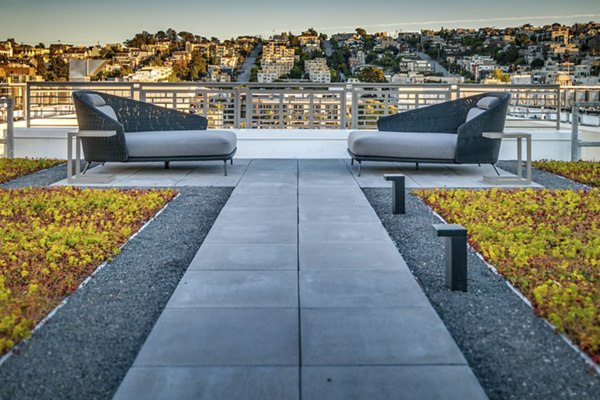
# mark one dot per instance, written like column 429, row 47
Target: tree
column 371, row 75
column 140, row 39
column 537, row 63
column 297, row 72
column 172, row 34
column 501, row 76
column 40, row 66
column 187, row 36
column 58, row 70
column 361, row 32
column 197, row 66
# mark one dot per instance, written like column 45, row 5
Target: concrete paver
column 236, row 289
column 224, row 383
column 298, row 293
column 383, row 383
column 246, row 256
column 222, row 337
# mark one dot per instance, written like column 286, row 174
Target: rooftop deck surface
column 298, row 293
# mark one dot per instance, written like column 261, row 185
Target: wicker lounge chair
column 146, row 132
column 449, row 132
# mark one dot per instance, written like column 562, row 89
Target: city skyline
column 76, row 22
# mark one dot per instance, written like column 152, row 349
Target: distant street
column 248, row 64
column 328, row 48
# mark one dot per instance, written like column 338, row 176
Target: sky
column 88, row 22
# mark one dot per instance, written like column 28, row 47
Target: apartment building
column 18, row 73
column 267, row 76
column 317, row 70
column 151, row 74
column 6, row 49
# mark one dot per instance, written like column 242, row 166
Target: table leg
column 77, row 157
column 519, row 159
column 528, row 143
column 70, row 157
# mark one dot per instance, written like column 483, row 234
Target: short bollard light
column 456, row 254
column 398, row 200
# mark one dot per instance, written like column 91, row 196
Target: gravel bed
column 544, row 178
column 513, row 353
column 86, row 348
column 40, row 178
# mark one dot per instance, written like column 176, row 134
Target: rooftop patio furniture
column 450, row 132
column 145, row 132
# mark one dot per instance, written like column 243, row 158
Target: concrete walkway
column 299, row 293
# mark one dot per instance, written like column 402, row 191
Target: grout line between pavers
column 298, row 279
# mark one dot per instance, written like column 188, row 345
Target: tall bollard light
column 398, row 195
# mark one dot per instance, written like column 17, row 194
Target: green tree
column 297, row 72
column 197, row 67
column 501, row 76
column 371, row 75
column 40, row 66
column 361, row 32
column 141, row 39
column 187, row 36
column 58, row 70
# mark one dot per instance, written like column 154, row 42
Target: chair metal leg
column 359, row 167
column 417, row 166
column 352, row 161
column 496, row 169
column 225, row 166
column 87, row 165
column 231, row 161
column 166, row 165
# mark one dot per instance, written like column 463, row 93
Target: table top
column 92, row 133
column 506, row 135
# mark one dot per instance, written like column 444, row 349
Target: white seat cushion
column 410, row 145
column 166, row 144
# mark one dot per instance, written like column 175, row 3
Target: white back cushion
column 95, row 99
column 487, row 102
column 473, row 112
column 108, row 110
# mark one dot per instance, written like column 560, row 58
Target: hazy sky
column 88, row 22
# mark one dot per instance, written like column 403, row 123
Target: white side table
column 509, row 180
column 79, row 178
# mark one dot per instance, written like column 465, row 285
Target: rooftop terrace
column 301, row 289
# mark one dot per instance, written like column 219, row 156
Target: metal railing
column 295, row 105
column 8, row 135
column 287, row 105
column 576, row 143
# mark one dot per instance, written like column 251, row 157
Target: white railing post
column 558, row 108
column 9, row 139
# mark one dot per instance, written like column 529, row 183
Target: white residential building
column 267, row 77
column 151, row 74
column 317, row 70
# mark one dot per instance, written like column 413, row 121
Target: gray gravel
column 40, row 178
column 513, row 353
column 544, row 178
column 85, row 350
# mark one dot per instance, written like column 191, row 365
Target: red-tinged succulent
column 16, row 167
column 51, row 239
column 586, row 172
column 546, row 243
